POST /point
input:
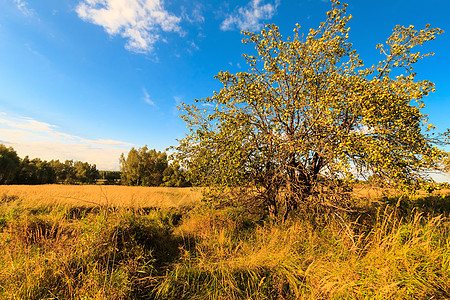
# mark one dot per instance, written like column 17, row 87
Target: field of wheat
column 111, row 195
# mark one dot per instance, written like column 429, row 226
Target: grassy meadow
column 104, row 195
column 92, row 242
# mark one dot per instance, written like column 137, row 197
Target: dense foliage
column 145, row 167
column 309, row 117
column 14, row 170
column 142, row 167
column 9, row 164
column 110, row 177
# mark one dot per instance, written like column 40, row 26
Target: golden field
column 65, row 242
column 138, row 196
column 110, row 195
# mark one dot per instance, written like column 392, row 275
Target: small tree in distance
column 9, row 164
column 143, row 167
column 309, row 116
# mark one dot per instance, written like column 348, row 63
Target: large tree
column 309, row 115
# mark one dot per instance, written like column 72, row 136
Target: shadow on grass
column 431, row 205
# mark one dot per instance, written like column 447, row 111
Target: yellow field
column 377, row 192
column 104, row 195
column 134, row 196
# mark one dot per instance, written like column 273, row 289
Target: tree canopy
column 148, row 167
column 309, row 115
column 143, row 167
column 9, row 164
column 14, row 170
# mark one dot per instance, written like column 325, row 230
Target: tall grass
column 393, row 256
column 67, row 252
column 396, row 248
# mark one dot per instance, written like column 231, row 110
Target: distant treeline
column 14, row 170
column 109, row 177
column 142, row 167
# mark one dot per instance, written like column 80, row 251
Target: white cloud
column 39, row 139
column 13, row 133
column 28, row 123
column 23, row 7
column 147, row 98
column 139, row 21
column 192, row 47
column 250, row 16
column 196, row 15
column 441, row 177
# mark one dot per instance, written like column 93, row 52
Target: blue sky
column 89, row 79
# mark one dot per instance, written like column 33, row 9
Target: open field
column 109, row 195
column 137, row 196
column 55, row 246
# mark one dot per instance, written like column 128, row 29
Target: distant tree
column 143, row 167
column 45, row 173
column 85, row 173
column 130, row 168
column 308, row 116
column 111, row 177
column 27, row 173
column 9, row 165
column 153, row 165
column 175, row 176
column 69, row 172
column 36, row 171
column 60, row 170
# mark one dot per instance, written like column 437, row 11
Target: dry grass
column 235, row 258
column 374, row 192
column 136, row 196
column 53, row 247
column 112, row 195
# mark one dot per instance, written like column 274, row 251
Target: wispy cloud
column 40, row 139
column 33, row 125
column 250, row 16
column 178, row 100
column 192, row 47
column 196, row 15
column 23, row 7
column 147, row 98
column 13, row 133
column 139, row 21
column 237, row 64
column 175, row 108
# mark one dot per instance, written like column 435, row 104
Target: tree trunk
column 273, row 212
